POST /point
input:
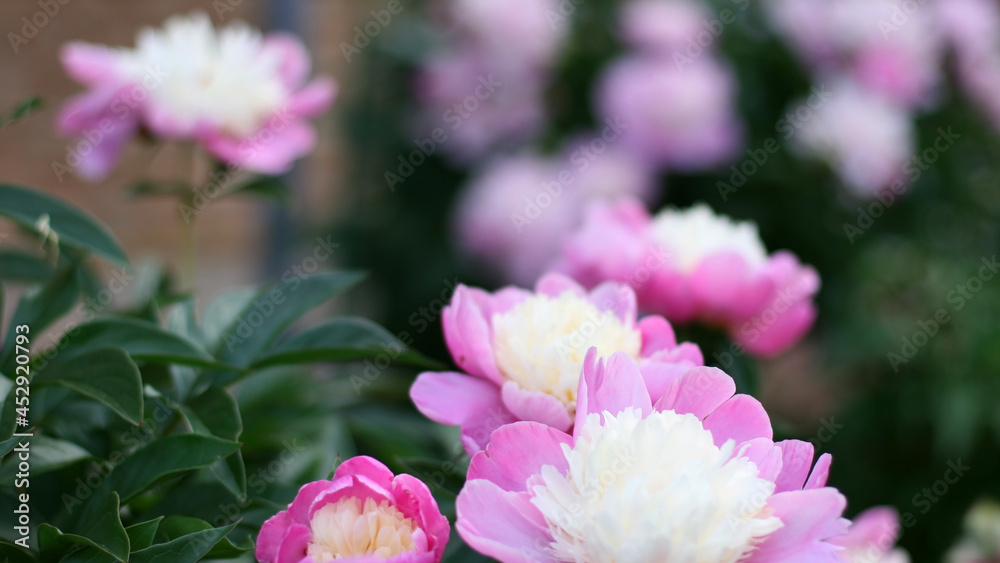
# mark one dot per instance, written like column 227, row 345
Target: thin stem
column 189, row 238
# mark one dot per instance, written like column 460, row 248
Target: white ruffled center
column 651, row 490
column 199, row 75
column 693, row 234
column 541, row 343
column 348, row 528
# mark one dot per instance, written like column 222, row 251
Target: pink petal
column 555, row 285
column 271, row 150
column 699, row 391
column 292, row 54
column 820, row 473
column 611, row 386
column 518, row 451
column 657, row 334
column 617, row 298
column 764, row 454
column 270, row 537
column 293, row 547
column 740, row 419
column 810, row 518
column 469, row 333
column 876, row 527
column 502, row 524
column 350, row 486
column 413, row 498
column 796, row 461
column 314, row 99
column 536, row 406
column 298, row 510
column 369, row 467
column 466, row 401
column 93, row 65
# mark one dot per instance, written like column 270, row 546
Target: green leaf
column 102, row 530
column 185, row 549
column 21, row 266
column 143, row 340
column 166, row 458
column 12, row 553
column 216, row 413
column 107, row 375
column 276, row 309
column 88, row 555
column 47, row 454
column 179, row 526
column 23, row 109
column 40, row 308
column 223, row 312
column 340, row 340
column 74, row 228
column 141, row 535
column 147, row 188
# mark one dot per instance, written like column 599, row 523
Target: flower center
column 541, row 343
column 650, row 490
column 350, row 527
column 693, row 234
column 203, row 76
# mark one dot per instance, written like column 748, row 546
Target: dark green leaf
column 341, row 340
column 22, row 266
column 107, row 375
column 47, row 454
column 40, row 308
column 102, row 529
column 143, row 340
column 185, row 549
column 75, row 228
column 165, row 458
column 223, row 311
column 11, row 553
column 265, row 187
column 277, row 308
column 23, row 109
column 147, row 188
column 141, row 535
column 216, row 413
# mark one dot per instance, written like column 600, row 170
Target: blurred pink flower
column 525, row 32
column 675, row 114
column 694, row 265
column 973, row 29
column 241, row 96
column 515, row 213
column 521, row 353
column 666, row 26
column 866, row 139
column 895, row 52
column 364, row 514
column 478, row 102
column 686, row 472
column 871, row 538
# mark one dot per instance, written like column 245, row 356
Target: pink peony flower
column 871, row 538
column 898, row 54
column 365, row 514
column 678, row 114
column 521, row 353
column 866, row 138
column 666, row 26
column 516, row 212
column 241, row 96
column 526, row 32
column 688, row 472
column 694, row 265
